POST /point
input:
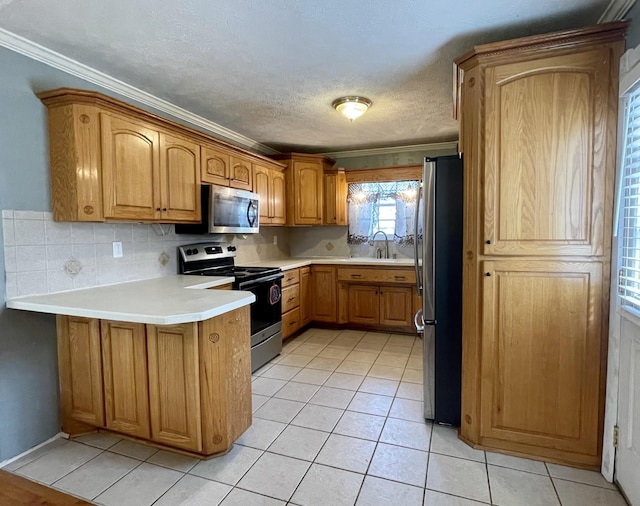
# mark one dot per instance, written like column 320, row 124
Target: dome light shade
column 351, row 107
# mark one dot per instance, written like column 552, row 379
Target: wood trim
column 399, row 173
column 570, row 39
column 19, row 491
column 68, row 96
column 307, row 157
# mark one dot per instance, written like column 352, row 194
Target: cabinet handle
column 356, row 275
column 292, row 323
column 235, row 320
column 488, row 241
column 400, row 277
column 290, row 299
column 488, row 274
column 158, row 209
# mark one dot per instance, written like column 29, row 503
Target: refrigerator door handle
column 418, row 321
column 429, row 237
column 416, row 250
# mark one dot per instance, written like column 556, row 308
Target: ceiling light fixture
column 351, row 107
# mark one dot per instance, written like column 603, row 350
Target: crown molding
column 616, row 10
column 56, row 60
column 393, row 150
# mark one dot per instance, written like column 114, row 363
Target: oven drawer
column 290, row 298
column 291, row 277
column 290, row 322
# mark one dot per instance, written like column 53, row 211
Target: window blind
column 629, row 274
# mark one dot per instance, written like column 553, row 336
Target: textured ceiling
column 269, row 69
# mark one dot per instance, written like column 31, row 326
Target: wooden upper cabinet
column 110, row 161
column 278, row 198
column 180, row 179
column 304, row 187
column 269, row 184
column 215, row 168
column 308, row 180
column 130, row 169
column 541, row 354
column 546, row 154
column 241, row 173
column 335, row 197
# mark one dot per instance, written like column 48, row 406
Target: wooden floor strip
column 18, row 491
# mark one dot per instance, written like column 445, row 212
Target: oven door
column 266, row 311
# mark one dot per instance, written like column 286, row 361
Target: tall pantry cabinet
column 538, row 131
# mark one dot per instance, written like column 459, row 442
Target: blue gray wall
column 633, row 36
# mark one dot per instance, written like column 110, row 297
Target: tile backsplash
column 44, row 256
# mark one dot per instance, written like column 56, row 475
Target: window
column 385, row 206
column 629, row 228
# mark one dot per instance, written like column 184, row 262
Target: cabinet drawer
column 399, row 276
column 290, row 322
column 290, row 297
column 290, row 277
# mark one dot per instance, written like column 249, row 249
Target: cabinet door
column 541, row 356
column 262, row 186
column 124, row 356
column 396, row 306
column 363, row 304
column 130, row 169
column 324, row 293
column 548, row 160
column 308, row 186
column 278, row 210
column 80, row 372
column 241, row 174
column 215, row 166
column 174, row 385
column 180, row 182
column 305, row 294
column 330, row 209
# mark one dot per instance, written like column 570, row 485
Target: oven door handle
column 255, row 282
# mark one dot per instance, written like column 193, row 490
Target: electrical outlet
column 275, row 239
column 117, row 250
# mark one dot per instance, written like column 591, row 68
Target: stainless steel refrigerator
column 438, row 257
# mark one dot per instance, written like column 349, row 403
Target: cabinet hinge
column 616, row 435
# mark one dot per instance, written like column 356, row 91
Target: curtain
column 365, row 217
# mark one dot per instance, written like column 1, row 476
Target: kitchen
column 30, row 367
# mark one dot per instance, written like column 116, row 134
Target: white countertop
column 293, row 263
column 160, row 301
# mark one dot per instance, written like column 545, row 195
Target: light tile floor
column 337, row 421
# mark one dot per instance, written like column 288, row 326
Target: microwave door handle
column 251, row 217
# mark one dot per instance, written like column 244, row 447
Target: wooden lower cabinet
column 364, row 305
column 80, row 369
column 396, row 306
column 291, row 302
column 184, row 386
column 380, row 305
column 542, row 322
column 323, row 293
column 174, row 385
column 305, row 294
column 126, row 394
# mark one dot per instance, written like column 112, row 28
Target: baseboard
column 51, row 439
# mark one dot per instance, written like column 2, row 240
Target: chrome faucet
column 386, row 245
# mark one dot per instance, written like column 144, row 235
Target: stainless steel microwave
column 226, row 211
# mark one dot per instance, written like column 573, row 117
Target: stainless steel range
column 217, row 259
